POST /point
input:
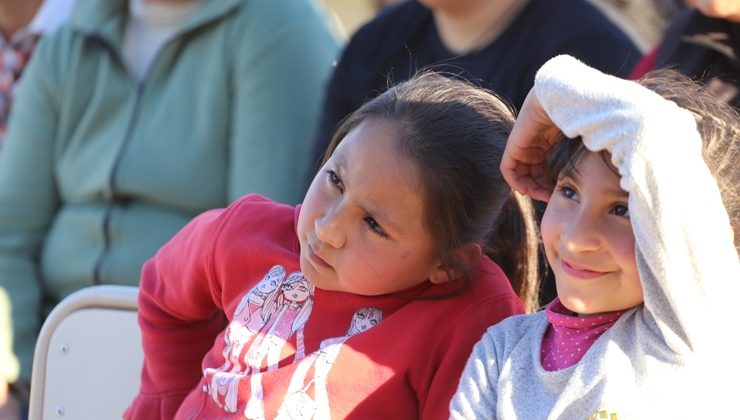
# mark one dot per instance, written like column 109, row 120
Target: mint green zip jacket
column 98, row 171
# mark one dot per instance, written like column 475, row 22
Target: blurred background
column 644, row 21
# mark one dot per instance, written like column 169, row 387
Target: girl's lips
column 317, row 261
column 580, row 272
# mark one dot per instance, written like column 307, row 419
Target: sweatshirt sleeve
column 476, row 396
column 179, row 315
column 686, row 258
column 452, row 352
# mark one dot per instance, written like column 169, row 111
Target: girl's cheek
column 626, row 247
column 550, row 220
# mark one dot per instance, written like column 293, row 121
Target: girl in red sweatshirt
column 366, row 300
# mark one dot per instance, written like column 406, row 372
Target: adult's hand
column 10, row 408
column 523, row 163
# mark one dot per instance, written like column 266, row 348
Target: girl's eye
column 375, row 227
column 621, row 210
column 567, row 191
column 335, row 180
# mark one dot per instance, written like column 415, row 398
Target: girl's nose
column 329, row 229
column 581, row 234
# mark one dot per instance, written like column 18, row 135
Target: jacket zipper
column 97, row 269
column 112, row 185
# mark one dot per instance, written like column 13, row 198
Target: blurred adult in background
column 702, row 42
column 22, row 23
column 644, row 21
column 136, row 116
column 379, row 5
column 497, row 44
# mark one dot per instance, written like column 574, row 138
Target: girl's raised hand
column 523, row 163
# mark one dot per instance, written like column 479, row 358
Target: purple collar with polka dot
column 569, row 336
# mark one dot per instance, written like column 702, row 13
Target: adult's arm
column 280, row 69
column 337, row 104
column 29, row 199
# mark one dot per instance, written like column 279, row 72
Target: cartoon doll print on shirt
column 298, row 404
column 248, row 320
column 273, row 313
column 285, row 312
column 270, row 314
column 285, row 316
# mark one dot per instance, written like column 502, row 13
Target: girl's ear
column 466, row 254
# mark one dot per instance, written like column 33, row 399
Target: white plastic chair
column 88, row 357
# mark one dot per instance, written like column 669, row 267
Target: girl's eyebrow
column 571, row 175
column 618, row 192
column 575, row 176
column 378, row 213
column 338, row 159
column 570, row 170
column 385, row 220
column 375, row 211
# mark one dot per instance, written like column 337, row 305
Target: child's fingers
column 540, row 195
column 523, row 163
column 534, row 155
column 533, row 128
column 533, row 190
column 529, row 180
column 522, row 167
column 542, row 190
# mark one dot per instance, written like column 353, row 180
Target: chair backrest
column 88, row 357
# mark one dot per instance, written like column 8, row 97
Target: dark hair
column 718, row 125
column 456, row 134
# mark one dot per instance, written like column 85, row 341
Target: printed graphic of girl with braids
column 298, row 404
column 248, row 319
column 284, row 307
column 285, row 312
column 286, row 315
